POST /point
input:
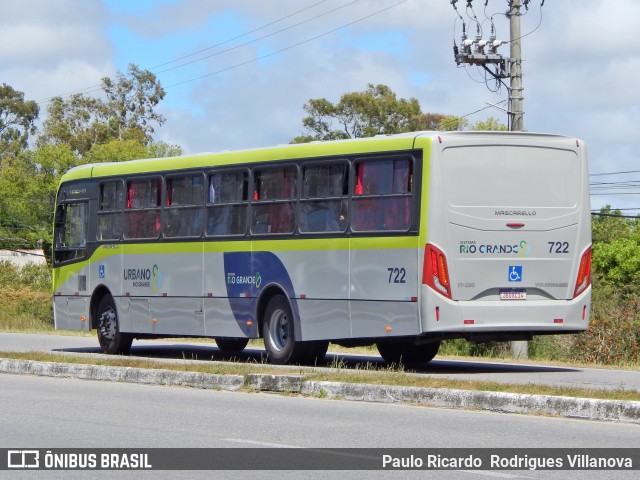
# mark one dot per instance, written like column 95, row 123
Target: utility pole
column 519, row 349
column 515, row 71
column 472, row 52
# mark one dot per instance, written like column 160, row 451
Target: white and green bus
column 400, row 241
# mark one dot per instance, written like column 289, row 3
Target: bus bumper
column 440, row 314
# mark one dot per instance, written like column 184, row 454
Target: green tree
column 17, row 121
column 490, row 124
column 77, row 122
column 122, row 150
column 451, row 123
column 374, row 111
column 616, row 252
column 27, row 195
column 78, row 130
column 127, row 113
column 131, row 102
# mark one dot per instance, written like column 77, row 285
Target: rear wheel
column 112, row 340
column 314, row 352
column 407, row 352
column 279, row 332
column 231, row 345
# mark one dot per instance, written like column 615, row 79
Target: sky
column 237, row 73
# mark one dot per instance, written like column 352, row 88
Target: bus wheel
column 407, row 352
column 314, row 352
column 111, row 339
column 231, row 345
column 279, row 333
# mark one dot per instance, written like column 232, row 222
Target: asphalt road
column 500, row 372
column 40, row 412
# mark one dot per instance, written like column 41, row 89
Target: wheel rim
column 279, row 330
column 108, row 324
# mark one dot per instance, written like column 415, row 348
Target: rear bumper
column 442, row 315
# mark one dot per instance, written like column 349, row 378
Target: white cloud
column 54, row 47
column 580, row 66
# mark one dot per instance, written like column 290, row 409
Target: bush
column 34, row 276
column 25, row 310
column 25, row 298
column 614, row 332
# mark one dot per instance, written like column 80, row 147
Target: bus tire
column 315, row 351
column 231, row 345
column 279, row 332
column 112, row 340
column 407, row 352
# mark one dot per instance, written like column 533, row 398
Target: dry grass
column 25, row 310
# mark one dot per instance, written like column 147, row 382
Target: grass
column 366, row 373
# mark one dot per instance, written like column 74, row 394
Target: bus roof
column 379, row 143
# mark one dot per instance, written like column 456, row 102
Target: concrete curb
column 583, row 408
column 122, row 374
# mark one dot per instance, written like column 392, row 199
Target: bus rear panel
column 508, row 248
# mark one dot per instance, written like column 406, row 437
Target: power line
column 289, row 47
column 615, row 193
column 595, row 214
column 250, row 41
column 95, row 88
column 619, row 209
column 246, row 33
column 613, row 173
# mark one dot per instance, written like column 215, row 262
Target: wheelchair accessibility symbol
column 515, row 273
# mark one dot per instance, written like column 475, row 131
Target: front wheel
column 407, row 352
column 279, row 332
column 112, row 340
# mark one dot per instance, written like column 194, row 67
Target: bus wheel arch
column 278, row 327
column 98, row 294
column 111, row 339
column 265, row 297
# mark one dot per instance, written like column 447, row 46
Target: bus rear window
column 511, row 176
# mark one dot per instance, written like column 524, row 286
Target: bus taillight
column 584, row 273
column 435, row 273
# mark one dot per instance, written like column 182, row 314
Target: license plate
column 513, row 294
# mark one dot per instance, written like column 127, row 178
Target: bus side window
column 274, row 210
column 397, row 209
column 183, row 213
column 323, row 202
column 227, row 201
column 110, row 211
column 142, row 216
column 382, row 195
